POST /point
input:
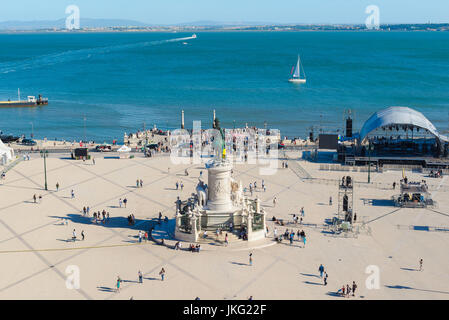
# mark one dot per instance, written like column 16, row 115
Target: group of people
column 179, row 185
column 35, row 198
column 323, row 274
column 194, row 248
column 297, row 218
column 131, row 219
column 346, row 291
column 140, row 277
column 290, row 235
column 284, row 164
column 102, row 216
column 253, row 187
column 243, row 234
column 74, row 235
column 142, row 235
column 124, row 202
column 139, row 183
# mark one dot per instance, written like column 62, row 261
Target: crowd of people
column 290, row 235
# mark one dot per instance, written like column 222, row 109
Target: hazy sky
column 283, row 11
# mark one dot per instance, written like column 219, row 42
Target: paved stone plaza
column 35, row 246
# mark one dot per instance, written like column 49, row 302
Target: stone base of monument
column 219, row 205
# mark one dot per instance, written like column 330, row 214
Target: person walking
column 304, row 241
column 162, row 274
column 321, row 270
column 354, row 287
column 35, row 198
column 140, row 276
column 140, row 236
column 73, row 235
column 141, row 183
column 72, row 193
column 330, row 201
column 251, row 259
column 182, row 186
column 420, row 265
column 226, row 240
column 118, row 283
column 302, row 212
column 57, row 186
column 137, row 183
column 120, row 202
column 274, row 202
column 125, row 201
column 325, row 278
column 82, row 234
column 177, row 185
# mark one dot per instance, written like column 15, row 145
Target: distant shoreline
column 210, row 31
column 429, row 27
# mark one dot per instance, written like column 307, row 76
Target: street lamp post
column 32, row 130
column 84, row 118
column 44, row 154
column 369, row 161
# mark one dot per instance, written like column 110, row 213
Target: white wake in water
column 77, row 55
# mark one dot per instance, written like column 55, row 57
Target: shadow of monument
column 113, row 222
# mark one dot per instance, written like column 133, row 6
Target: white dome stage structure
column 401, row 117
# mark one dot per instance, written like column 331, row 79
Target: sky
column 274, row 11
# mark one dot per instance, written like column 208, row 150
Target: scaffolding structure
column 346, row 200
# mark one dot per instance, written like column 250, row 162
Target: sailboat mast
column 298, row 66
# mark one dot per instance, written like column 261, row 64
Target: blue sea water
column 118, row 81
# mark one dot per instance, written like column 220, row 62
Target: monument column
column 219, row 187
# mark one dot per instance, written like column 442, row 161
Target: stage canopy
column 400, row 116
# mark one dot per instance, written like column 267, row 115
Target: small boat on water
column 194, row 36
column 31, row 101
column 296, row 73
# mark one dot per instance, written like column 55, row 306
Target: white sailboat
column 296, row 73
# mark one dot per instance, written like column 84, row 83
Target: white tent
column 124, row 149
column 6, row 153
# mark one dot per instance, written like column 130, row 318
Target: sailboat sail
column 296, row 74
